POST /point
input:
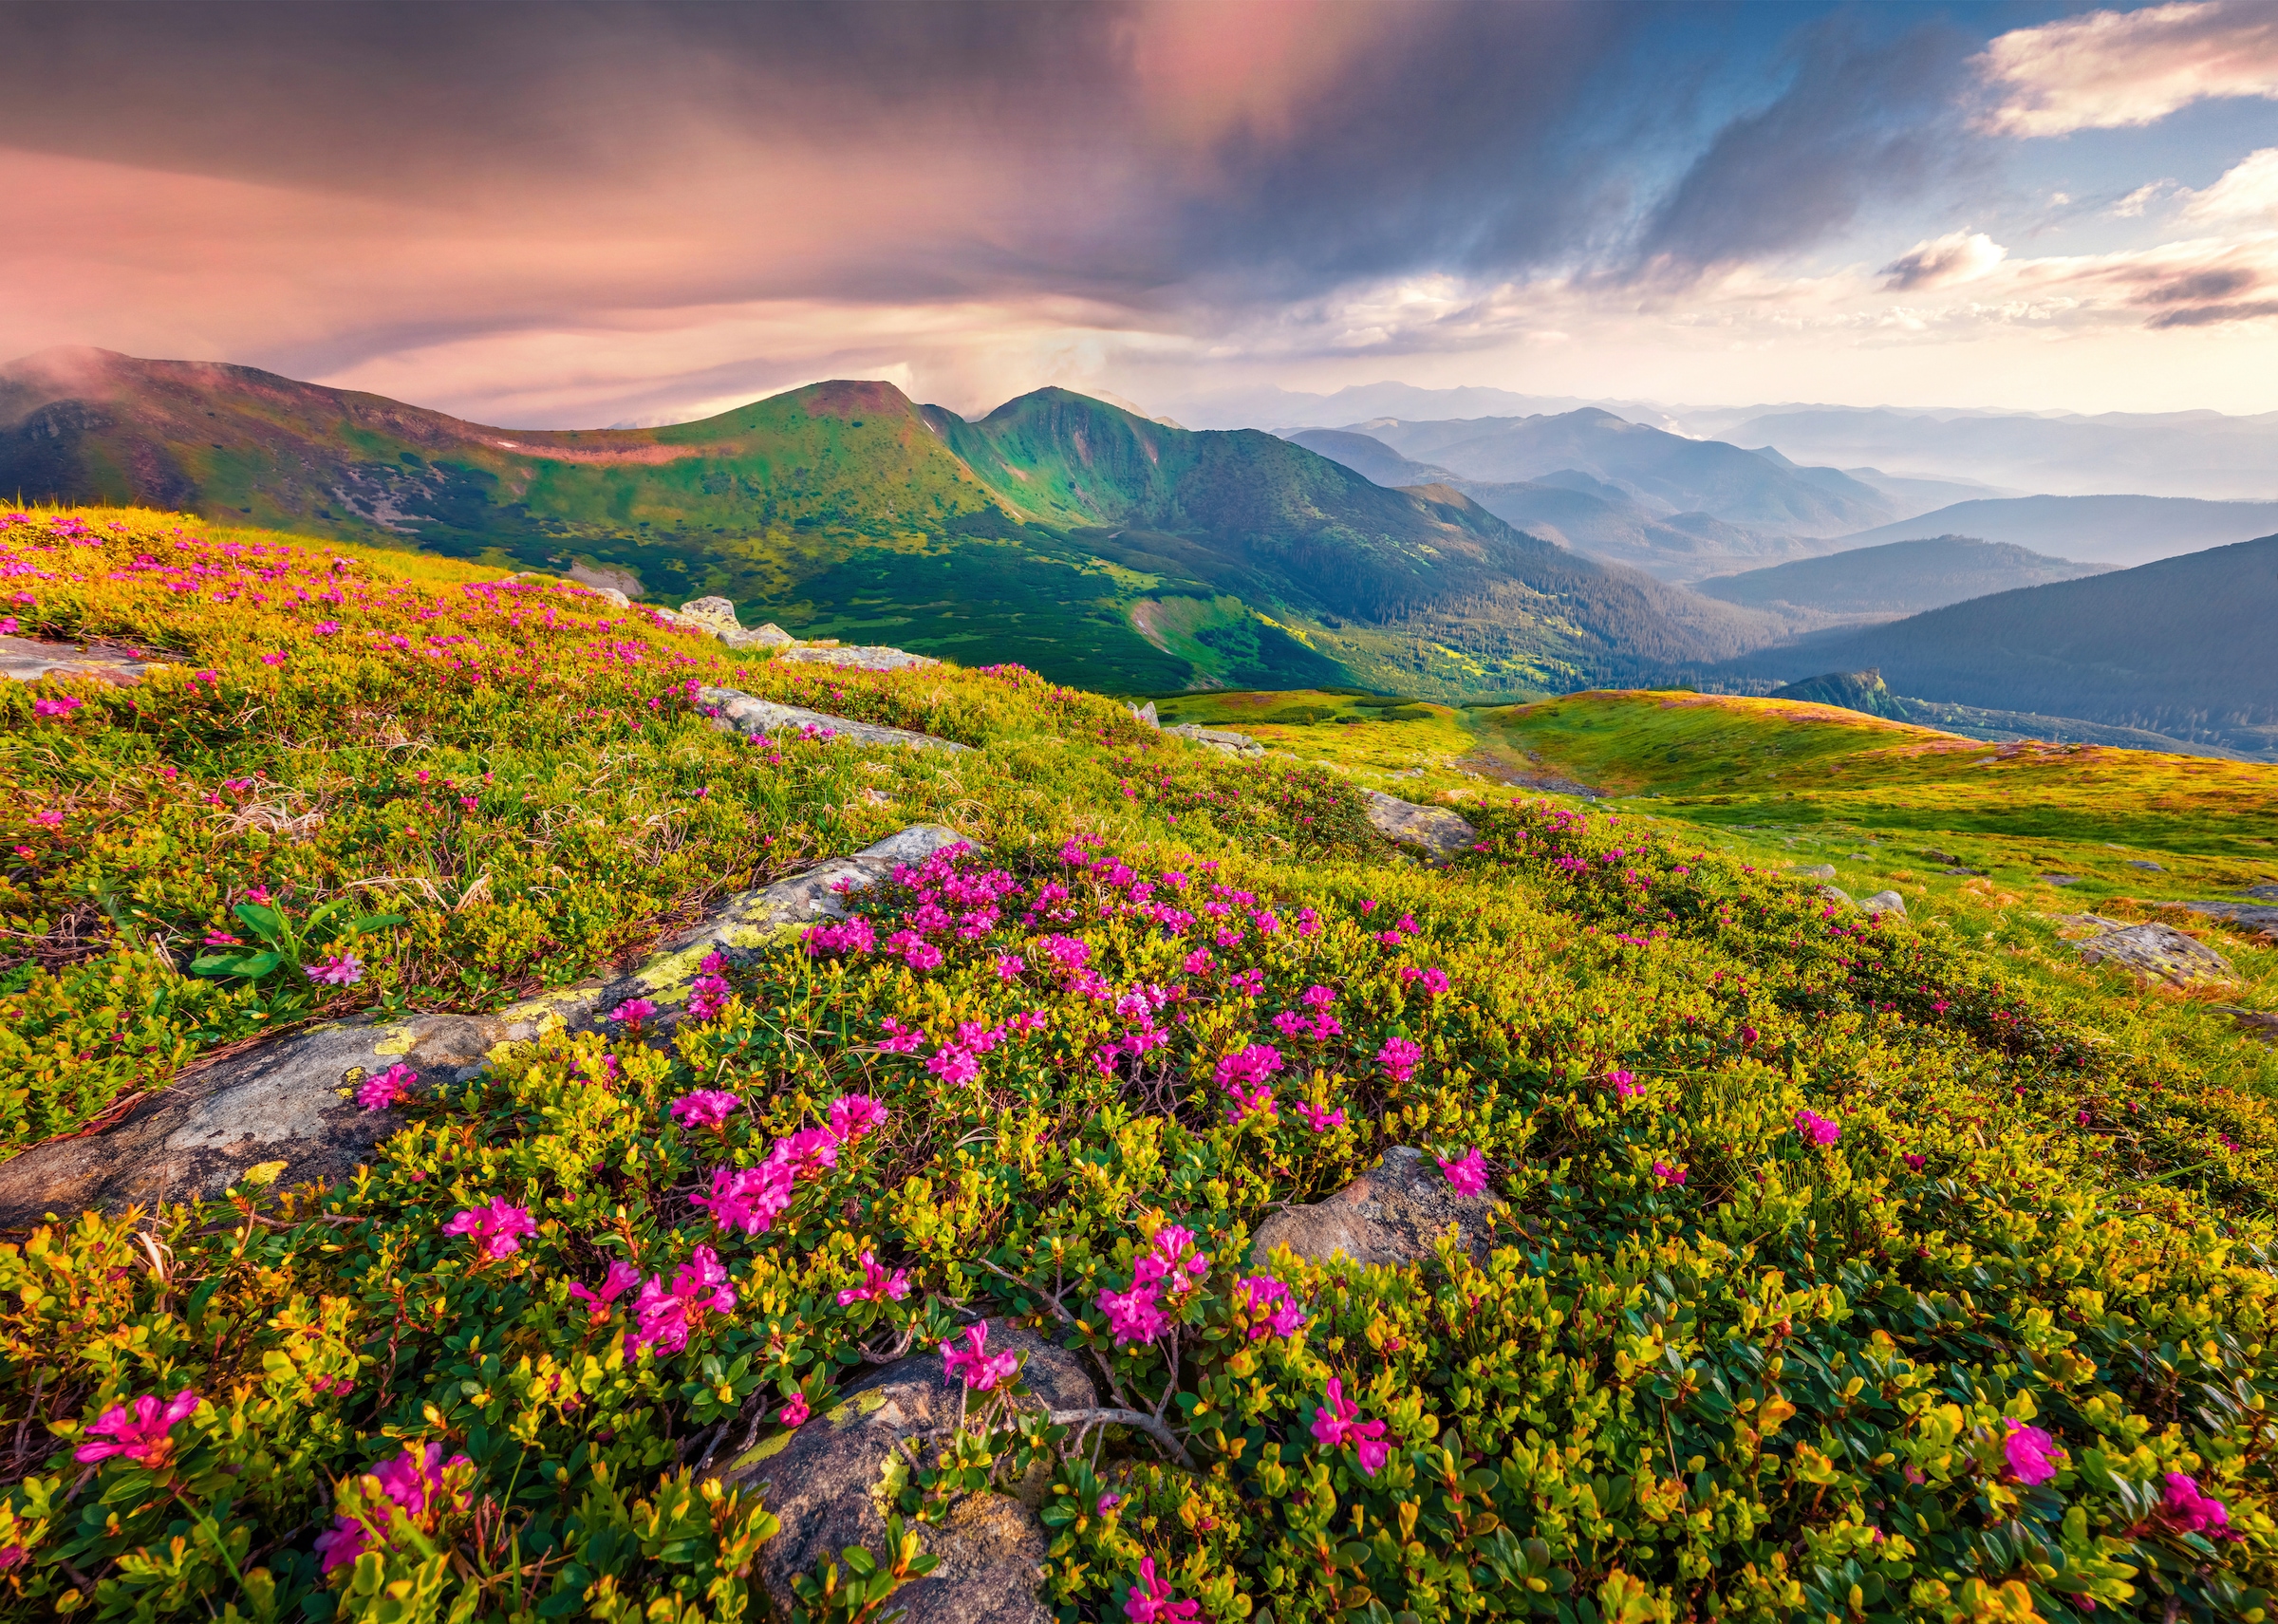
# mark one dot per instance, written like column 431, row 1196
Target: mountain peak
column 853, row 398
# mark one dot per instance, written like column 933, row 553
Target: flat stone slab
column 755, row 718
column 29, row 658
column 2159, row 950
column 866, row 657
column 2246, row 915
column 285, row 1101
column 1390, row 1214
column 1435, row 829
column 1217, row 738
column 824, row 1481
column 2260, row 1025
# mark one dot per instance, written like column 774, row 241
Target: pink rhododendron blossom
column 1399, row 1057
column 1151, row 1601
column 1468, row 1174
column 1272, row 1305
column 1010, row 966
column 633, row 1012
column 854, row 937
column 379, row 1092
column 1667, row 1175
column 795, row 1412
column 974, row 1365
column 276, row 657
column 1626, row 1085
column 1337, row 1424
column 1249, row 983
column 1251, row 1064
column 2187, row 1511
column 1816, row 1129
column 343, row 970
column 497, row 1229
column 1106, row 1503
column 2033, row 1456
column 1199, row 963
column 140, row 1432
column 853, row 1116
column 900, row 1039
column 1135, row 1315
column 877, row 1284
column 666, row 1317
column 1321, row 1118
column 749, row 1198
column 706, row 1108
column 212, row 679
column 621, row 1278
column 707, row 997
column 413, row 1481
column 1435, row 980
column 1915, row 1164
column 47, row 818
column 61, row 707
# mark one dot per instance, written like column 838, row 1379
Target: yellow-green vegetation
column 1847, row 1268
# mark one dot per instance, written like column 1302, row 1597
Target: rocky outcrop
column 2256, row 916
column 1390, row 1214
column 2158, row 951
column 858, row 658
column 1435, row 829
column 1215, row 739
column 735, row 711
column 29, row 658
column 2260, row 1025
column 823, row 1480
column 288, row 1100
column 718, row 616
column 1884, row 901
column 1813, row 871
column 1145, row 716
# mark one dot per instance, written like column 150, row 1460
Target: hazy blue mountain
column 1608, row 524
column 1897, row 578
column 1368, row 457
column 1689, row 475
column 2126, row 529
column 2181, row 646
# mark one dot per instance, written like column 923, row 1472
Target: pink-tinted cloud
column 2109, row 70
column 1942, row 262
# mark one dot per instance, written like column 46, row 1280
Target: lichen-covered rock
column 739, row 712
column 824, row 1483
column 1884, row 901
column 1390, row 1214
column 868, row 657
column 1813, row 871
column 2256, row 915
column 29, row 659
column 1435, row 829
column 2159, row 950
column 768, row 636
column 716, row 615
column 1146, row 714
column 1217, row 738
column 287, row 1101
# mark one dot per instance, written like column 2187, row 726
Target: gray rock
column 868, row 658
column 1837, row 895
column 1146, row 714
column 755, row 718
column 1813, row 871
column 2060, row 879
column 2159, row 950
column 716, row 615
column 2246, row 915
column 1390, row 1214
column 2141, row 863
column 1884, row 901
column 29, row 659
column 2260, row 1025
column 2261, row 893
column 768, row 636
column 1435, row 829
column 824, row 1480
column 1217, row 738
column 284, row 1101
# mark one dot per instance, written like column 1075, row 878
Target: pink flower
column 142, row 1431
column 1435, row 980
column 1398, row 1058
column 1626, row 1085
column 1198, row 962
column 749, row 1198
column 1149, row 1600
column 1335, row 1425
column 1915, row 1164
column 1468, row 1174
column 632, row 1012
column 974, row 1364
column 1135, row 1315
column 854, row 1115
column 49, row 818
column 1321, row 1118
column 2187, row 1511
column 795, row 1412
column 1816, row 1129
column 414, row 1482
column 326, row 629
column 706, row 1108
column 1317, row 998
column 666, row 1318
column 341, row 970
column 1106, row 1503
column 900, row 1039
column 2032, row 1454
column 621, row 1278
column 277, row 658
column 1249, row 983
column 855, row 935
column 1668, row 1176
column 1270, row 1302
column 223, row 939
column 61, row 707
column 382, row 1090
column 1253, row 1063
column 877, row 1285
column 212, row 679
column 707, row 997
column 1009, row 966
column 497, row 1229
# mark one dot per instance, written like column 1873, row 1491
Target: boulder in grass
column 1390, row 1214
column 2158, row 952
column 738, row 712
column 1814, row 871
column 868, row 657
column 823, row 1481
column 1884, row 901
column 716, row 615
column 768, row 636
column 1435, row 829
column 1222, row 739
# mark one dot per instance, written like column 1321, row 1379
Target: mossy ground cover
column 1847, row 1270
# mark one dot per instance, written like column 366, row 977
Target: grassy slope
column 1780, row 1388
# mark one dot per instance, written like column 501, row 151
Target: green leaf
column 264, row 921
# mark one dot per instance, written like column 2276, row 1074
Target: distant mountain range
column 1897, row 578
column 1865, row 691
column 1084, row 540
column 2180, row 647
column 2127, row 529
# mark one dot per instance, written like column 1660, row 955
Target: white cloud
column 2107, row 69
column 2247, row 191
column 1944, row 262
column 2133, row 205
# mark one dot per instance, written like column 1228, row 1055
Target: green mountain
column 1061, row 532
column 1898, row 578
column 1861, row 691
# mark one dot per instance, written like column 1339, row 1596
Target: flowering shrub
column 1967, row 1357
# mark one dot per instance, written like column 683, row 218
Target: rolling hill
column 2127, row 529
column 2179, row 647
column 1661, row 469
column 1059, row 531
column 1897, row 578
column 1367, row 457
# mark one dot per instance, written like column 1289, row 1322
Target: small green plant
column 314, row 950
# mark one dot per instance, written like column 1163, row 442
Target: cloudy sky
column 564, row 215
